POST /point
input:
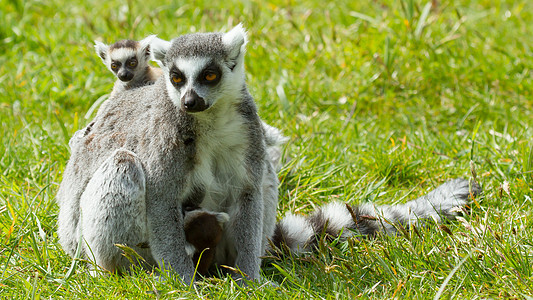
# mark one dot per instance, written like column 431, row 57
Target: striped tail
column 300, row 234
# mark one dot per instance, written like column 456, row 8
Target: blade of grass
column 449, row 277
column 422, row 20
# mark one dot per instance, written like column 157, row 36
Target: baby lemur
column 203, row 232
column 129, row 61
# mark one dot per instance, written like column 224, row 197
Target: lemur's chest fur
column 220, row 162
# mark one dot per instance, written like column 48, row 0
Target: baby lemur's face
column 123, row 62
column 127, row 59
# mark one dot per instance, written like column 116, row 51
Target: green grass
column 382, row 101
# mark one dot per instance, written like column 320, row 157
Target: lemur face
column 196, row 82
column 127, row 59
column 123, row 62
column 203, row 68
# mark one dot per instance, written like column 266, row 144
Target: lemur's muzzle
column 125, row 75
column 191, row 102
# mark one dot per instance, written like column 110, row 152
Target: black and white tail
column 299, row 233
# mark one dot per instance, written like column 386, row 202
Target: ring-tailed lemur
column 129, row 61
column 193, row 137
column 300, row 234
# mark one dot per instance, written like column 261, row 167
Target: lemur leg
column 270, row 203
column 113, row 211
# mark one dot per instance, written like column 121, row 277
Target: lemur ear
column 145, row 45
column 235, row 43
column 222, row 218
column 101, row 50
column 159, row 49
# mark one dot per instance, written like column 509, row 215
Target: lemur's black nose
column 125, row 75
column 191, row 102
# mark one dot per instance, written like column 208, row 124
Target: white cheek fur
column 172, row 92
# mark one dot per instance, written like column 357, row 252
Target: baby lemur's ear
column 222, row 218
column 159, row 49
column 145, row 46
column 101, row 50
column 235, row 44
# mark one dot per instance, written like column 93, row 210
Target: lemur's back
column 123, row 121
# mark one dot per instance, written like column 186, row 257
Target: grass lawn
column 382, row 101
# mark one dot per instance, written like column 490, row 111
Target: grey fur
column 121, row 175
column 274, row 140
column 219, row 152
column 143, row 74
column 201, row 44
column 299, row 234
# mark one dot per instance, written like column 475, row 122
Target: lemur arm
column 248, row 225
column 247, row 231
column 165, row 223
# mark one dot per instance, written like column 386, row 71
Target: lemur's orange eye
column 114, row 66
column 176, row 79
column 210, row 76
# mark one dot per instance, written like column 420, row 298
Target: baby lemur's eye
column 114, row 66
column 176, row 79
column 132, row 63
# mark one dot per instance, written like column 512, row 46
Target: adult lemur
column 193, row 138
column 129, row 60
